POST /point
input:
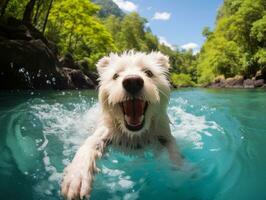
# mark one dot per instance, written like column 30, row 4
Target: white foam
column 71, row 127
column 189, row 127
column 124, row 183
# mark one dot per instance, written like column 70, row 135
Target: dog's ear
column 102, row 64
column 161, row 59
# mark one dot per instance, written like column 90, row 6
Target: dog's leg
column 171, row 146
column 167, row 140
column 78, row 176
column 174, row 153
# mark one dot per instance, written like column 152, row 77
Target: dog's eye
column 115, row 76
column 149, row 73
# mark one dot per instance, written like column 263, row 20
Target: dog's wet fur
column 133, row 94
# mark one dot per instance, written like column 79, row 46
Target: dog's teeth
column 141, row 118
column 127, row 119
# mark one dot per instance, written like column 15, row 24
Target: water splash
column 44, row 132
column 187, row 127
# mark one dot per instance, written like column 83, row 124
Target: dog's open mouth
column 134, row 113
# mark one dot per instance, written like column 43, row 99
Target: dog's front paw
column 77, row 182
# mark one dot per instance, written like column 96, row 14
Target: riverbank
column 258, row 81
column 30, row 61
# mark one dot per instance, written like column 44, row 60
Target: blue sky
column 176, row 22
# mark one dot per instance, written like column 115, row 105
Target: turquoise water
column 222, row 134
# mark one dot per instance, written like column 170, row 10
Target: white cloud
column 189, row 46
column 126, row 5
column 161, row 16
column 162, row 40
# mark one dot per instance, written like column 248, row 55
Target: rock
column 261, row 74
column 93, row 76
column 14, row 29
column 83, row 65
column 248, row 83
column 219, row 79
column 68, row 61
column 213, row 85
column 259, row 83
column 53, row 47
column 26, row 64
column 19, row 33
column 29, row 61
column 77, row 79
column 235, row 82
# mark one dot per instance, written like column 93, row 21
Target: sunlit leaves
column 76, row 29
column 237, row 45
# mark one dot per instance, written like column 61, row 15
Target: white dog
column 133, row 94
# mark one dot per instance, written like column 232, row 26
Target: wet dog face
column 133, row 88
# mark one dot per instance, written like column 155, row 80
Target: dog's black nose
column 133, row 84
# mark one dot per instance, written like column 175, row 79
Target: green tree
column 74, row 27
column 237, row 44
column 181, row 80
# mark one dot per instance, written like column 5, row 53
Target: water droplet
column 48, row 82
column 21, row 70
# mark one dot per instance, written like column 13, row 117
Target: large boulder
column 259, row 83
column 233, row 82
column 94, row 76
column 248, row 83
column 74, row 78
column 26, row 64
column 14, row 29
column 29, row 61
column 68, row 61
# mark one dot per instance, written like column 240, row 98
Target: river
column 221, row 133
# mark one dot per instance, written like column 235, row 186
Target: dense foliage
column 91, row 29
column 181, row 80
column 73, row 25
column 238, row 43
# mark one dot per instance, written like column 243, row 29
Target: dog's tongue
column 134, row 110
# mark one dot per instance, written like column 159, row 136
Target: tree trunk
column 35, row 19
column 3, row 7
column 28, row 11
column 47, row 15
